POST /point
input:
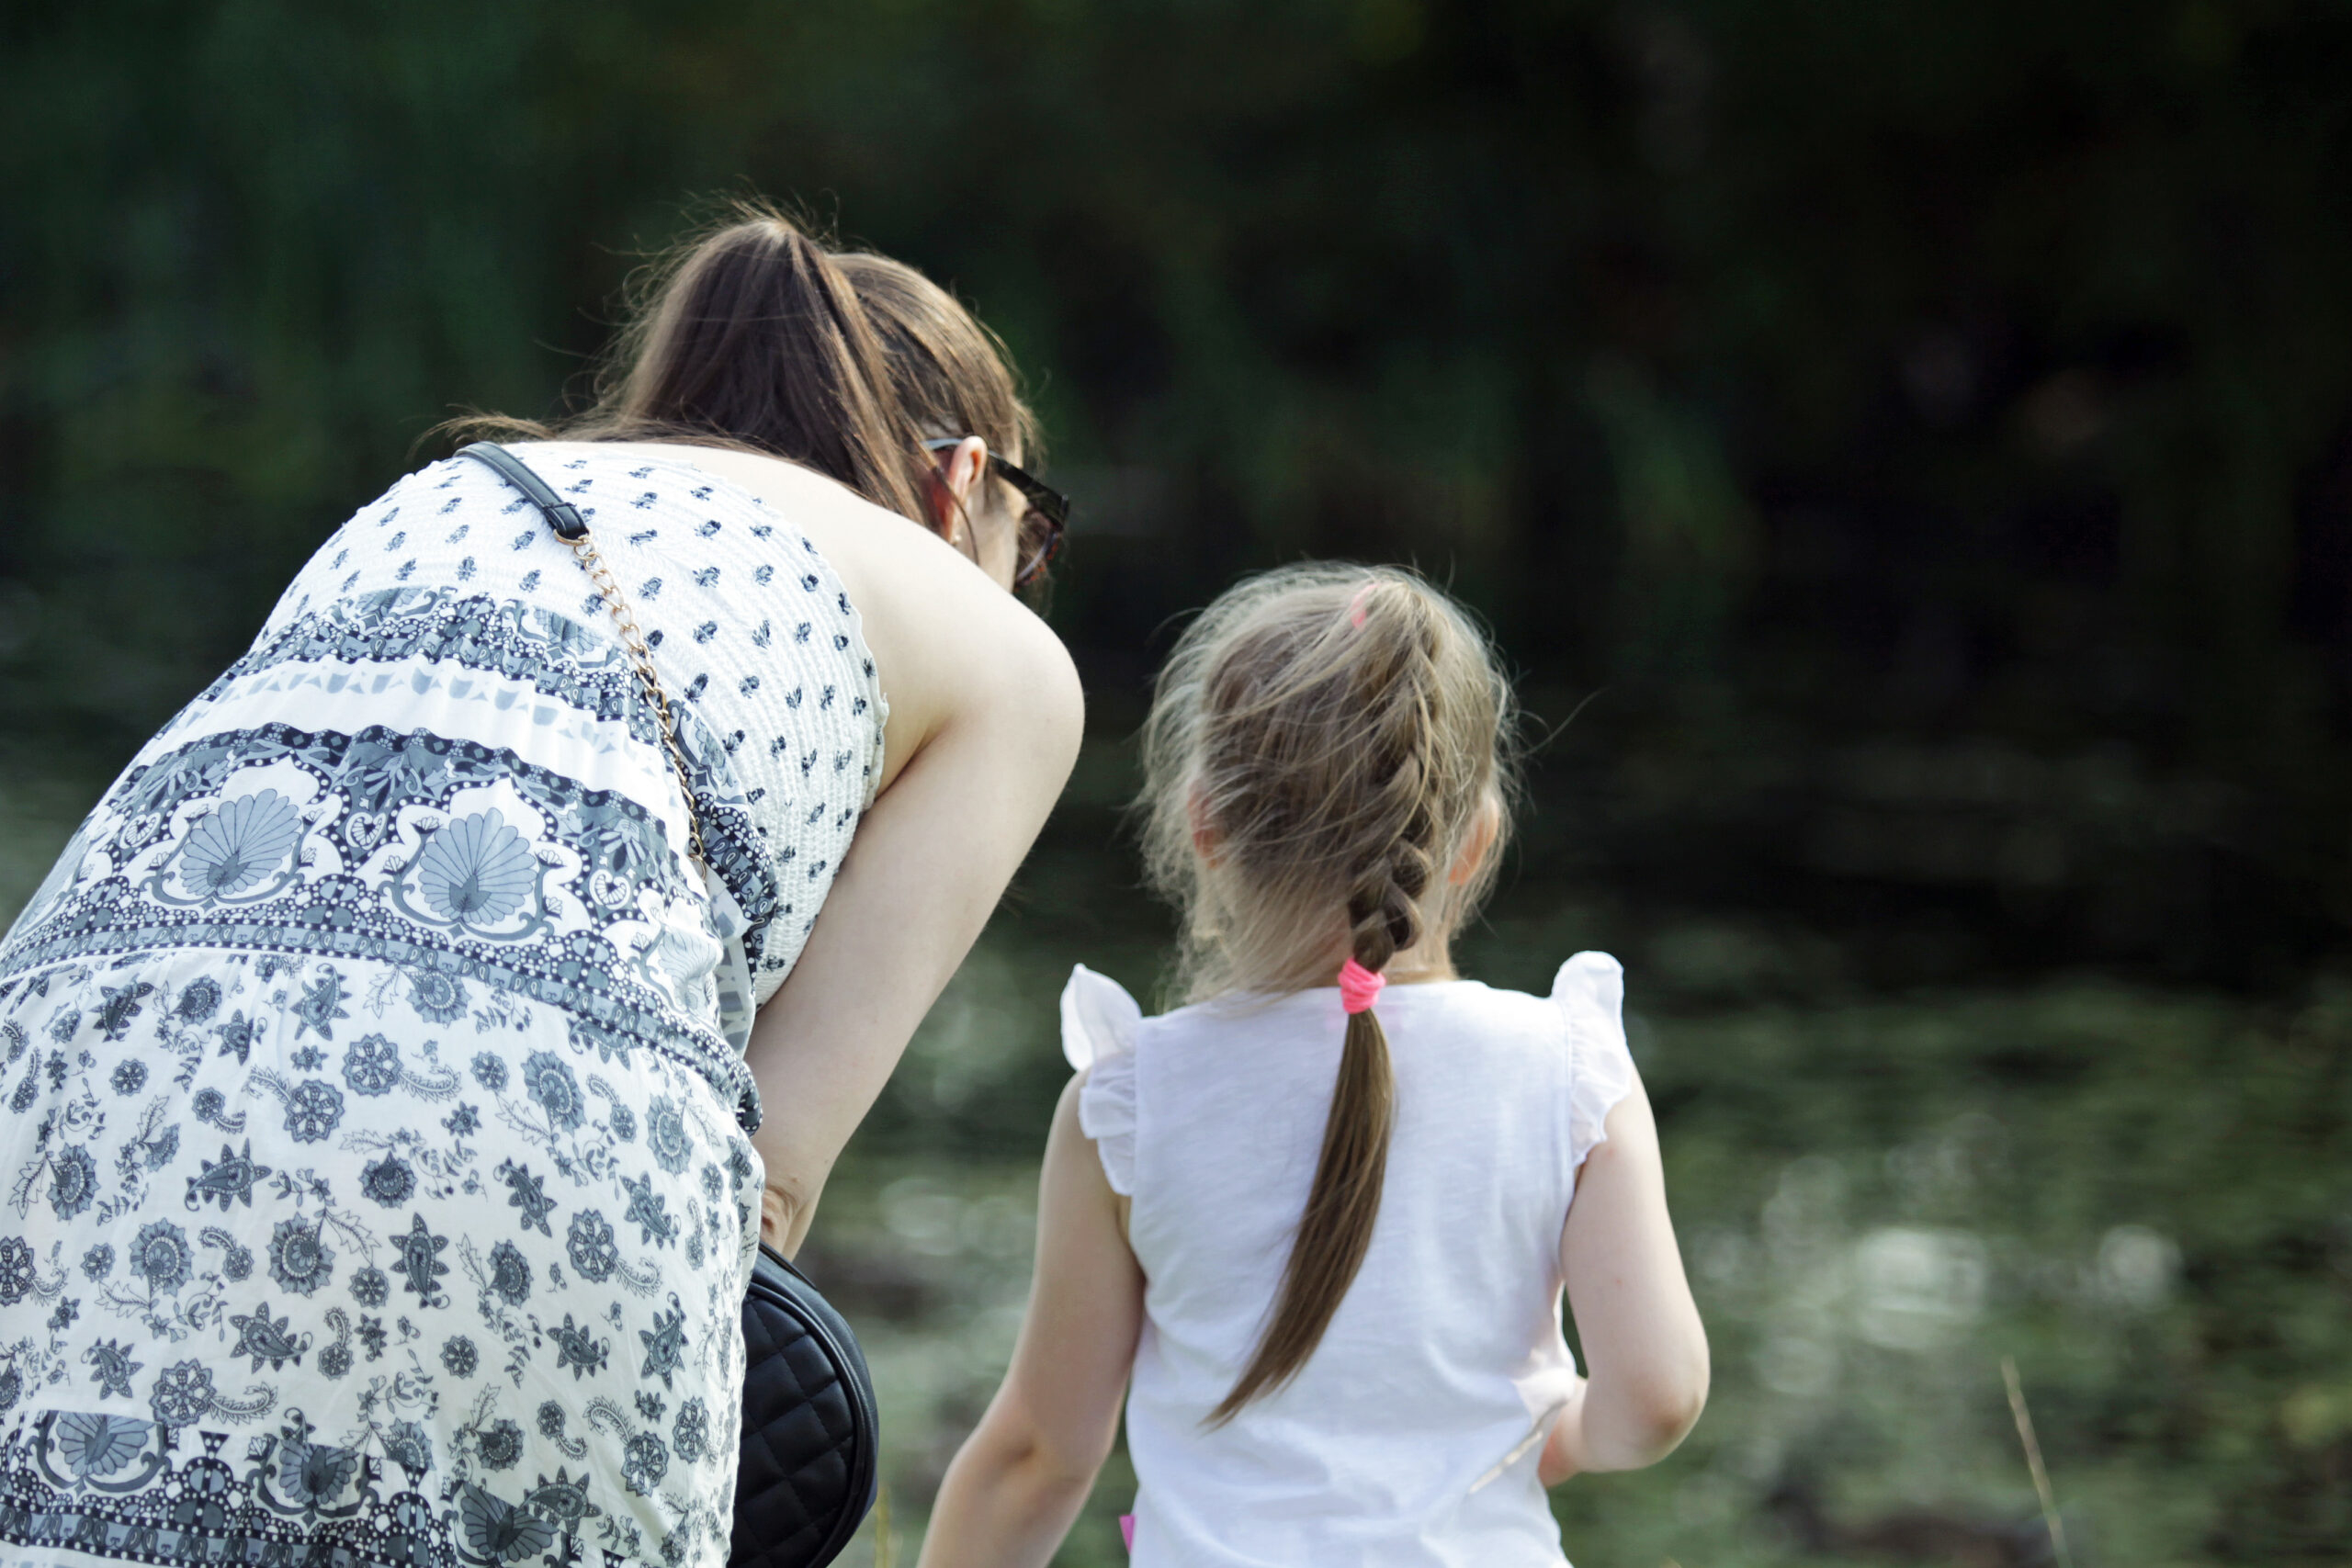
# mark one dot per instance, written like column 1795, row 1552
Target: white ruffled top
column 1411, row 1436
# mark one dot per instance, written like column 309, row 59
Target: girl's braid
column 1400, row 831
column 1300, row 760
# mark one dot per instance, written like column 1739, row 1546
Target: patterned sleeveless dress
column 373, row 1179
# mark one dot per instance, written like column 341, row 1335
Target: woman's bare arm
column 986, row 705
column 1024, row 1473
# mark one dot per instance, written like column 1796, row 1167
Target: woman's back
column 924, row 614
column 386, row 1056
column 778, row 697
column 1405, row 1437
column 402, row 905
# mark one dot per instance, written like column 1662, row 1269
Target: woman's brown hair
column 1321, row 746
column 752, row 333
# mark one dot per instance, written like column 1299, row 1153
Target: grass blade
column 2033, row 1462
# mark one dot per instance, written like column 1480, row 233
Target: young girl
column 1316, row 1224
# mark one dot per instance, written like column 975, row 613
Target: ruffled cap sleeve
column 1591, row 992
column 1099, row 1025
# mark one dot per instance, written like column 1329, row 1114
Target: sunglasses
column 1043, row 522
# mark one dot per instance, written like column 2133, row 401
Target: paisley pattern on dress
column 374, row 1184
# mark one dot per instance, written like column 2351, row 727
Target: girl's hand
column 1563, row 1449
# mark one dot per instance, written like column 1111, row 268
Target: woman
column 383, row 1186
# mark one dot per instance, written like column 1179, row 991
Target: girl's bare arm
column 1024, row 1473
column 1646, row 1351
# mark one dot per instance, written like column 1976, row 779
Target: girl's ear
column 1207, row 842
column 1480, row 841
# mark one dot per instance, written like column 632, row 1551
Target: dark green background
column 1920, row 428
column 1913, row 440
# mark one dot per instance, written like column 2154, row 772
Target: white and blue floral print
column 376, row 1179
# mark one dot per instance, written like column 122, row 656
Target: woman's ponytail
column 758, row 335
column 753, row 335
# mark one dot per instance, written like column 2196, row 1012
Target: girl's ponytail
column 1385, row 918
column 1335, row 1232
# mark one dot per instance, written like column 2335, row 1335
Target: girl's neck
column 1421, row 964
column 1425, row 961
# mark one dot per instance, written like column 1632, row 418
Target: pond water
column 2139, row 1195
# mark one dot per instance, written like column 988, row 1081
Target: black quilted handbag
column 811, row 1445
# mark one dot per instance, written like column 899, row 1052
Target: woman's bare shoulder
column 946, row 640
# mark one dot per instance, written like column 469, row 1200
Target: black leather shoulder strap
column 562, row 516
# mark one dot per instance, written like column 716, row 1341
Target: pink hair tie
column 1359, row 986
column 1356, row 605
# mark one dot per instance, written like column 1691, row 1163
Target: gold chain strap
column 583, row 550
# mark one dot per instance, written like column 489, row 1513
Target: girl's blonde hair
column 1322, row 744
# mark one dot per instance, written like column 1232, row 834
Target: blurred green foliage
column 1967, row 375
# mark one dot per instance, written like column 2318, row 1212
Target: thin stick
column 2033, row 1462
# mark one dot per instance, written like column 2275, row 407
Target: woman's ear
column 1480, row 842
column 955, row 480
